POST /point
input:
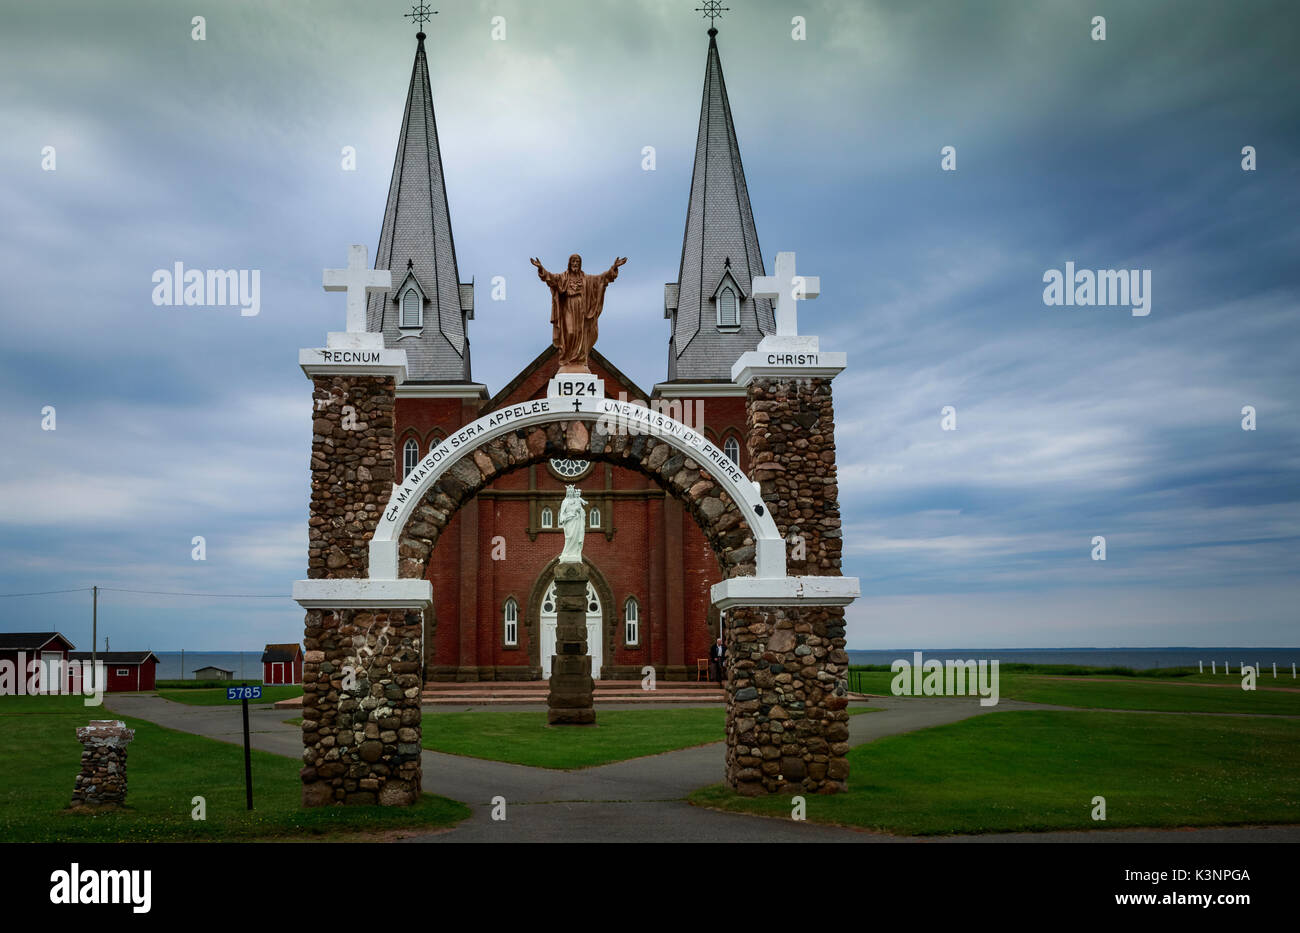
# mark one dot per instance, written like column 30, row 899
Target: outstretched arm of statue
column 612, row 274
column 547, row 277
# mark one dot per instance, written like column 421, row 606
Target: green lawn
column 165, row 770
column 1143, row 695
column 1106, row 691
column 524, row 738
column 217, row 697
column 1033, row 771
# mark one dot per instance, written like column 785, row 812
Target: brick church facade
column 493, row 615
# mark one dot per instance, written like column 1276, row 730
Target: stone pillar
column 787, row 717
column 362, row 671
column 353, row 466
column 361, row 707
column 569, row 701
column 102, row 781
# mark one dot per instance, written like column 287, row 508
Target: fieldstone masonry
column 787, row 716
column 352, row 470
column 102, row 781
column 361, row 707
column 700, row 493
column 787, row 722
column 361, row 672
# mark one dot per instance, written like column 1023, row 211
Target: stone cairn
column 102, row 781
column 569, row 700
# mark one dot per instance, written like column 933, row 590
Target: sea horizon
column 247, row 664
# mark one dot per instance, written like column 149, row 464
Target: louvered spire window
column 728, row 308
column 411, row 310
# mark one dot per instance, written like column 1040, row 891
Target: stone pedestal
column 361, row 707
column 102, row 781
column 570, row 699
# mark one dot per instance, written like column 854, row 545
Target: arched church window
column 728, row 308
column 731, row 447
column 593, row 517
column 410, row 456
column 548, row 518
column 410, row 309
column 631, row 621
column 511, row 615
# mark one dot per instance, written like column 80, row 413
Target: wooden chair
column 701, row 669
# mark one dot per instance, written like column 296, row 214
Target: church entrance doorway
column 548, row 619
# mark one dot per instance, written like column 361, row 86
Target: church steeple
column 428, row 308
column 714, row 316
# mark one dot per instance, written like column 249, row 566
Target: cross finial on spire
column 420, row 14
column 712, row 9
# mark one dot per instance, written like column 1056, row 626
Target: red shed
column 282, row 664
column 127, row 670
column 22, row 648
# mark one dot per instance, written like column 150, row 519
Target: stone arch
column 727, row 506
column 367, row 594
column 714, row 510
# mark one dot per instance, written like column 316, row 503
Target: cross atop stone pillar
column 362, row 675
column 787, row 721
column 787, row 289
column 358, row 281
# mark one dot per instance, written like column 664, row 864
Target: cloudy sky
column 1071, row 422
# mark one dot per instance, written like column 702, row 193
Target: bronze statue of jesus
column 576, row 300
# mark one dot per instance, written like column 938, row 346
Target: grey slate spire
column 415, row 244
column 719, row 250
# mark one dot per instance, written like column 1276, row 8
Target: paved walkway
column 640, row 800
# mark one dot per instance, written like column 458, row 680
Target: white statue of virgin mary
column 573, row 519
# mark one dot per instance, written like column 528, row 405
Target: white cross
column 357, row 281
column 787, row 288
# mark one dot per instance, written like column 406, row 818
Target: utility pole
column 94, row 630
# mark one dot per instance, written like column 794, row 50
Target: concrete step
column 647, row 698
column 505, row 686
column 479, row 698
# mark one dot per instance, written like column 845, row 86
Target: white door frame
column 546, row 624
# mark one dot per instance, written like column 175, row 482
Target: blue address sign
column 244, row 693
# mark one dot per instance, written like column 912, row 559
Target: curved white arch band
column 614, row 415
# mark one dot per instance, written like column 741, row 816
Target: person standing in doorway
column 717, row 660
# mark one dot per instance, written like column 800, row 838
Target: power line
column 116, row 589
column 80, row 589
